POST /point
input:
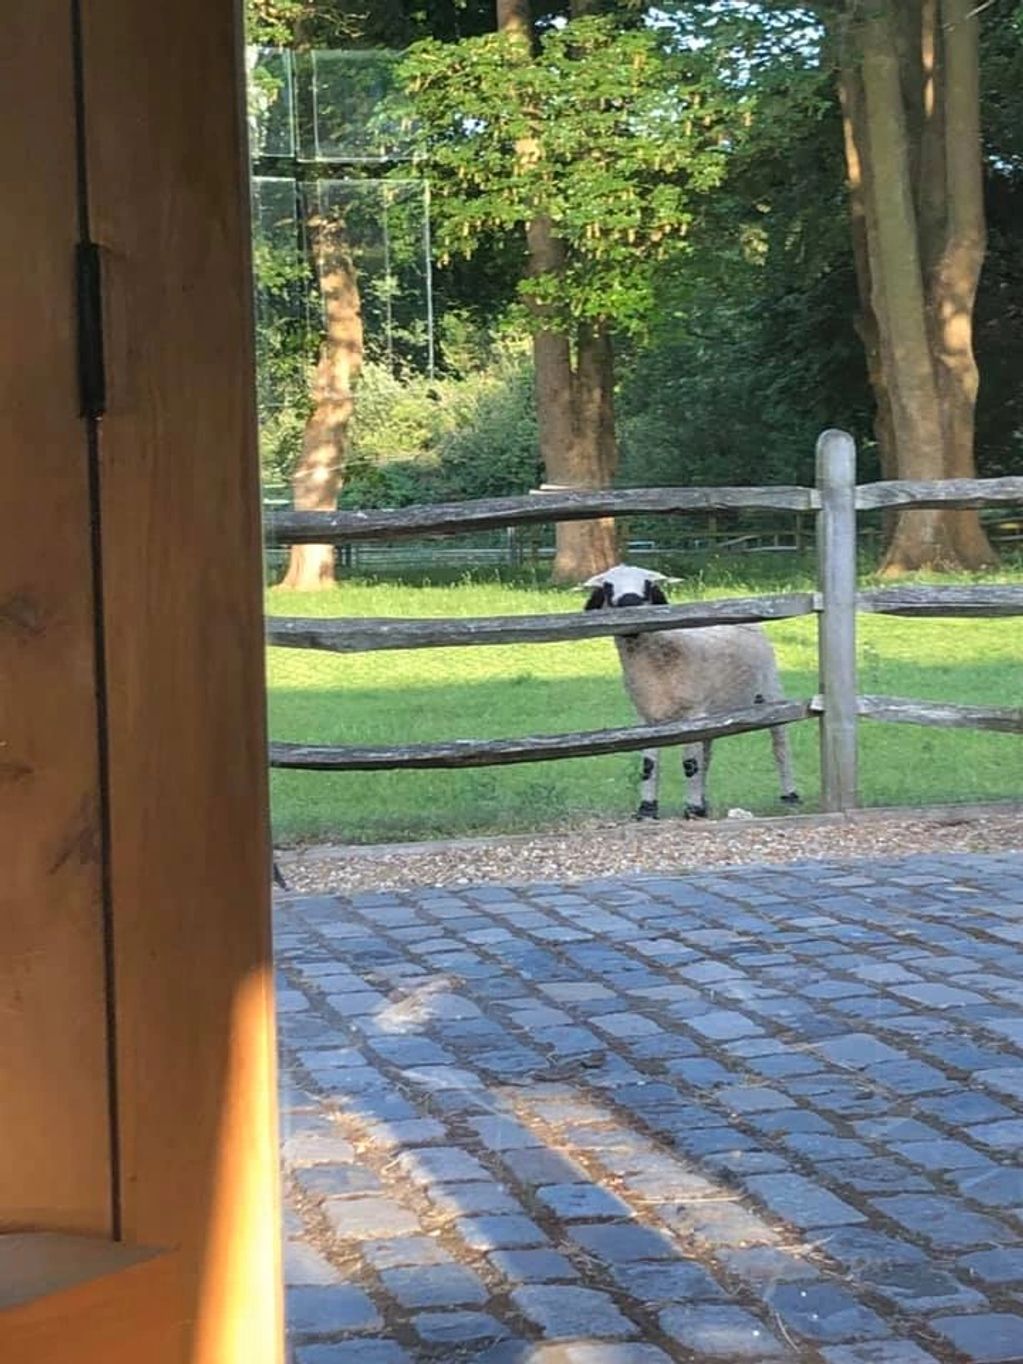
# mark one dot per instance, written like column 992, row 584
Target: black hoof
column 695, row 811
column 647, row 810
column 790, row 798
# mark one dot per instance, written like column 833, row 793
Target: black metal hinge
column 92, row 379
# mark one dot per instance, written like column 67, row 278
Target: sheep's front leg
column 649, row 778
column 695, row 761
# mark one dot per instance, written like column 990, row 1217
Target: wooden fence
column 834, row 501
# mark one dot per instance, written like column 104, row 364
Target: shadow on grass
column 899, row 764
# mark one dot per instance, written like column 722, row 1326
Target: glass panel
column 282, row 285
column 271, row 102
column 387, row 228
column 355, row 116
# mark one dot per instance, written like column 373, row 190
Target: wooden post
column 836, row 552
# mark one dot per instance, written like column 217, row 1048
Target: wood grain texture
column 353, row 634
column 949, row 492
column 536, row 747
column 458, row 518
column 168, row 178
column 54, row 1139
column 900, row 710
column 943, row 601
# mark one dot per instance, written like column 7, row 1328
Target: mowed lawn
column 412, row 696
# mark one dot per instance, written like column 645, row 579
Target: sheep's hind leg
column 695, row 762
column 649, row 777
column 783, row 760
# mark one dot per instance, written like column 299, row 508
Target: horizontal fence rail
column 963, row 493
column 367, row 634
column 898, row 710
column 459, row 518
column 535, row 747
column 901, row 710
column 942, row 601
column 353, row 634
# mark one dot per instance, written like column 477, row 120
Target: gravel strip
column 594, row 850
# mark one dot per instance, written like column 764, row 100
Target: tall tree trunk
column 955, row 279
column 864, row 238
column 574, row 400
column 594, row 544
column 575, row 421
column 897, row 284
column 317, row 477
column 913, row 155
column 585, row 451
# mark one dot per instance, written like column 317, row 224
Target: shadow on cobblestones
column 769, row 1113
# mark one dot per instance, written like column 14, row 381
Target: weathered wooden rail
column 369, row 634
column 460, row 518
column 1004, row 719
column 355, row 634
column 835, row 500
column 535, row 747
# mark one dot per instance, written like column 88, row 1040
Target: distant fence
column 522, row 547
column 519, row 547
column 833, row 502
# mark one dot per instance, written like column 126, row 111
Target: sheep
column 689, row 674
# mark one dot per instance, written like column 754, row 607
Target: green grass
column 419, row 695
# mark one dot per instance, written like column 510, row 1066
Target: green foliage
column 325, row 23
column 384, row 23
column 615, row 135
column 736, row 340
column 416, row 440
column 273, row 23
column 754, row 351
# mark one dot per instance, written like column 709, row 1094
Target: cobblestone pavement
column 769, row 1113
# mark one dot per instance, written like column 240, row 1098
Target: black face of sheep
column 625, row 586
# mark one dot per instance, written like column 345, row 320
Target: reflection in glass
column 356, row 114
column 271, row 101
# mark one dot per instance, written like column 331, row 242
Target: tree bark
column 574, row 398
column 514, row 17
column 957, row 274
column 913, row 152
column 583, row 452
column 863, row 229
column 317, row 478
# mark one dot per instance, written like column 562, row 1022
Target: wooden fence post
column 836, row 541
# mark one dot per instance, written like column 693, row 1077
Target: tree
column 752, row 352
column 595, row 150
column 908, row 77
column 317, row 476
column 574, row 401
column 909, row 81
column 317, row 473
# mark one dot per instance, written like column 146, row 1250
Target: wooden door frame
column 143, row 886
